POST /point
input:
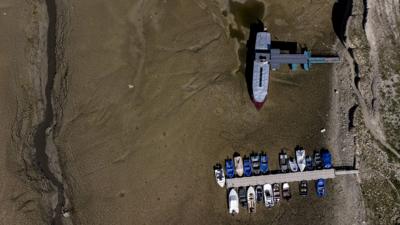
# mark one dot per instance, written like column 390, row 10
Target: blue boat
column 320, row 188
column 264, row 163
column 247, row 167
column 326, row 159
column 230, row 168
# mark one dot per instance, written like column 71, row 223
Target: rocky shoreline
column 365, row 100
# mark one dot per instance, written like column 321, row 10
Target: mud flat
column 123, row 108
column 18, row 199
column 33, row 186
column 157, row 96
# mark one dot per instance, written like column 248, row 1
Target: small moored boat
column 317, row 160
column 219, row 175
column 251, row 200
column 229, row 168
column 320, row 187
column 242, row 192
column 263, row 163
column 276, row 190
column 238, row 164
column 259, row 193
column 283, row 161
column 247, row 167
column 309, row 163
column 286, row 191
column 293, row 165
column 233, row 202
column 268, row 196
column 255, row 162
column 301, row 158
column 303, row 188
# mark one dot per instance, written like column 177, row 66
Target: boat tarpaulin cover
column 260, row 80
column 263, row 41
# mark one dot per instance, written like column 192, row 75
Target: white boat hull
column 220, row 177
column 233, row 202
column 301, row 159
column 268, row 195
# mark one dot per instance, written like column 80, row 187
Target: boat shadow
column 341, row 12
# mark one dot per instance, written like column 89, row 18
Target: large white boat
column 293, row 165
column 251, row 200
column 301, row 158
column 219, row 175
column 238, row 165
column 266, row 58
column 268, row 195
column 261, row 68
column 233, row 202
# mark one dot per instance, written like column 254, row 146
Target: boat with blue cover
column 263, row 163
column 229, row 168
column 320, row 188
column 326, row 159
column 247, row 167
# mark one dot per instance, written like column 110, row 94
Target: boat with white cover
column 251, row 200
column 219, row 175
column 238, row 165
column 233, row 202
column 301, row 158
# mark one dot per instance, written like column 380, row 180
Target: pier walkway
column 286, row 177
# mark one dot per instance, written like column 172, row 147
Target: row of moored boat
column 257, row 164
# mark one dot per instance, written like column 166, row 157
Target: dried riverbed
column 123, row 108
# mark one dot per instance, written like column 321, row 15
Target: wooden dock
column 286, row 177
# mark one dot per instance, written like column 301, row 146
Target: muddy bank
column 20, row 202
column 148, row 115
column 44, row 129
column 372, row 105
column 39, row 109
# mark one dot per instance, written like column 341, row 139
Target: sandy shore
column 145, row 154
column 20, row 61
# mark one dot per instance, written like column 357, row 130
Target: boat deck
column 286, row 177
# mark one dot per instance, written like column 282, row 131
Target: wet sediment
column 44, row 154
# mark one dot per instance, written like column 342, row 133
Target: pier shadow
column 285, row 46
column 344, row 168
